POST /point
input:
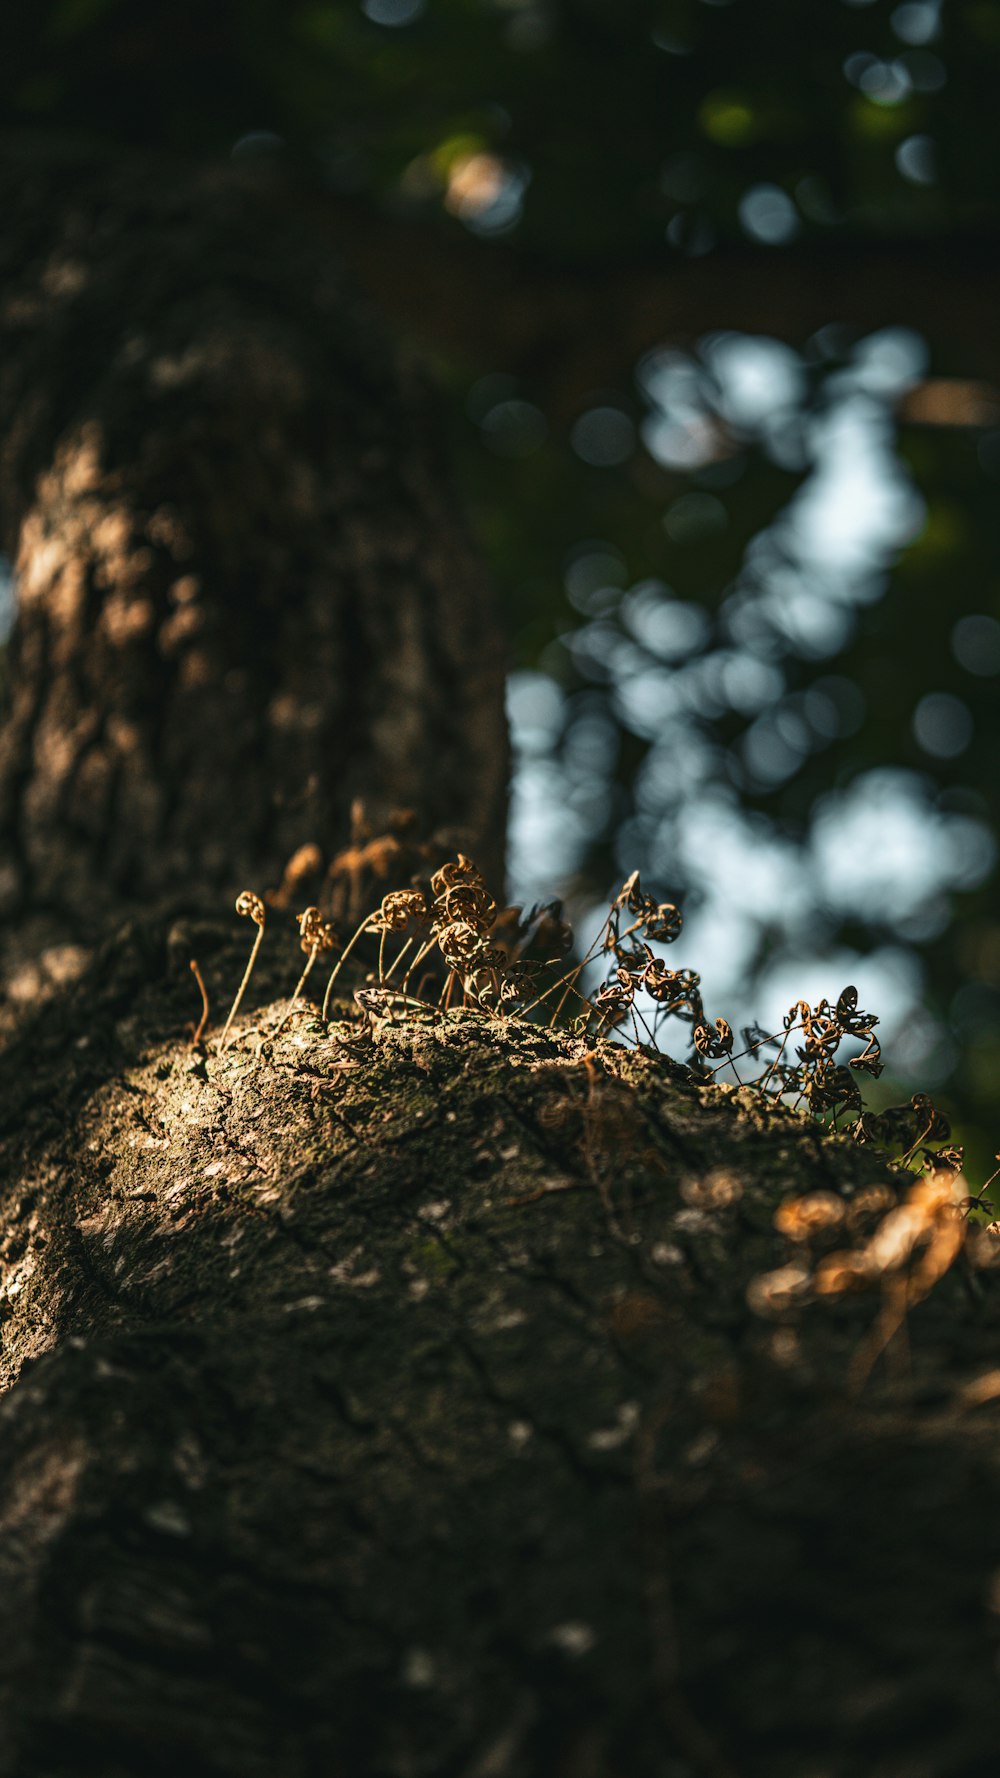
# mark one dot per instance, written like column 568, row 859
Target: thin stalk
column 300, row 984
column 341, row 960
column 571, row 988
column 777, row 1059
column 241, row 990
column 573, row 975
column 567, row 991
column 983, row 1189
column 397, row 960
column 428, row 945
column 202, row 1022
column 444, row 998
column 741, row 1055
column 923, row 1137
column 568, row 981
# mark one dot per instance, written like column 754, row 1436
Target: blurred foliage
column 840, row 714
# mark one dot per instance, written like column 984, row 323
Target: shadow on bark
column 397, row 1419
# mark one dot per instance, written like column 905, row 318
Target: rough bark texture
column 390, row 1402
column 385, row 1399
column 244, row 598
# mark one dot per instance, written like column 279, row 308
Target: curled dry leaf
column 250, row 905
column 315, row 933
column 400, row 909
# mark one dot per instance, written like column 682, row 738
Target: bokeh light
column 723, row 696
column 942, row 725
column 393, row 13
column 975, row 643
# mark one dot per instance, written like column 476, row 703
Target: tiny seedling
column 315, row 934
column 203, row 1021
column 247, row 904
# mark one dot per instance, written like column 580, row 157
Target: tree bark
column 244, row 596
column 393, row 1403
column 398, row 1396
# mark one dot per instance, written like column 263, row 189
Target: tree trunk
column 400, row 1396
column 244, row 598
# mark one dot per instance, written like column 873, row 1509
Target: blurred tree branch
column 575, row 330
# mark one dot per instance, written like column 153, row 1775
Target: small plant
column 305, row 863
column 315, row 935
column 202, row 1022
column 444, row 943
column 248, row 905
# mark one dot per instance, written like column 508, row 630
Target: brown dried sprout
column 713, row 1043
column 660, row 920
column 202, row 1022
column 248, row 906
column 457, row 872
column 614, row 1000
column 912, row 1248
column 376, row 859
column 400, row 909
column 459, row 943
column 468, row 903
column 914, row 1243
column 306, row 862
column 816, row 1078
column 315, row 935
column 507, row 961
column 908, row 1127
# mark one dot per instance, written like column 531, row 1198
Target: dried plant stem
column 444, row 999
column 731, row 1061
column 428, row 945
column 637, row 1014
column 241, row 990
column 567, row 991
column 341, row 960
column 983, row 1189
column 202, row 1022
column 777, row 1059
column 923, row 1137
column 568, row 981
column 300, row 984
column 397, row 960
